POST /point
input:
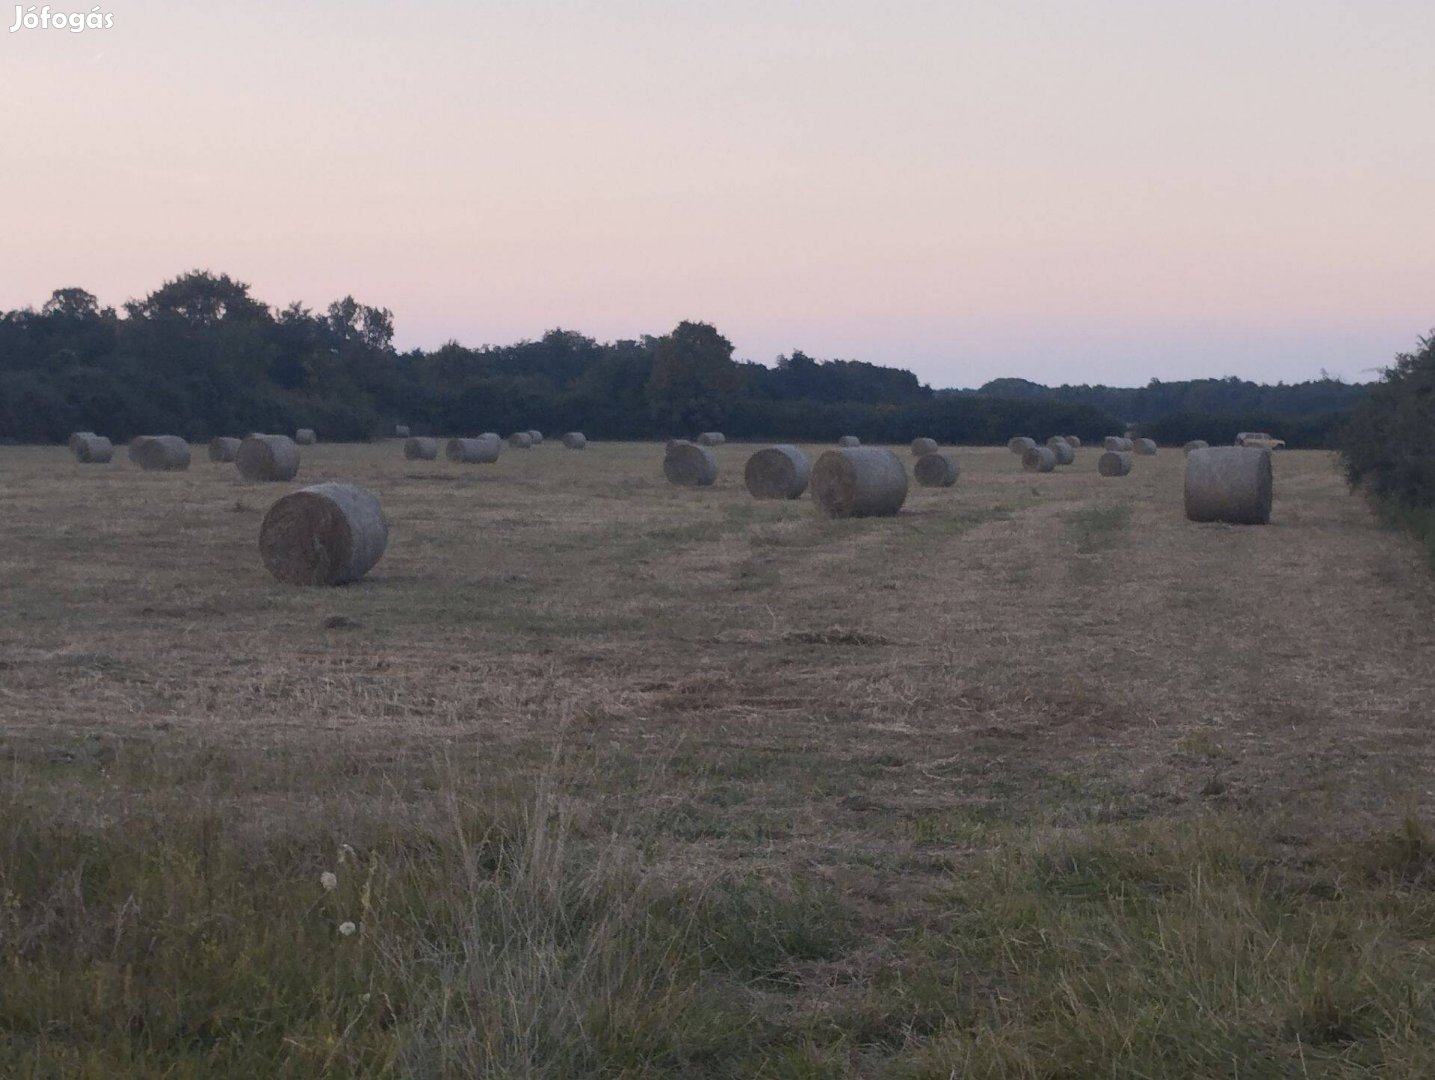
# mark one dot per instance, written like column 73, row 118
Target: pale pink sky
column 1089, row 192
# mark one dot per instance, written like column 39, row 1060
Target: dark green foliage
column 1388, row 446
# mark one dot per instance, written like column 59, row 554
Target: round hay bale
column 860, row 481
column 778, row 472
column 76, row 436
column 575, row 440
column 1075, row 441
column 1145, row 447
column 417, row 448
column 849, row 440
column 305, row 436
column 937, row 470
column 1229, row 483
column 1057, row 439
column 1114, row 463
column 327, row 534
column 160, row 453
column 267, row 458
column 675, row 442
column 1039, row 459
column 223, row 448
column 536, row 436
column 1117, row 443
column 1065, row 455
column 90, row 449
column 483, row 450
column 923, row 446
column 690, row 465
column 401, row 431
column 711, row 438
column 133, row 450
column 1020, row 445
column 521, row 440
column 1195, row 444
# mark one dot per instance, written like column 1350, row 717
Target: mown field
column 622, row 780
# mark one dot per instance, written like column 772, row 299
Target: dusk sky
column 1106, row 191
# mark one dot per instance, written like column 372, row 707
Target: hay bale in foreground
column 923, row 446
column 937, row 470
column 1229, row 483
column 521, row 440
column 575, row 440
column 1146, row 447
column 777, row 472
column 860, row 481
column 223, row 448
column 267, row 458
column 690, row 465
column 1114, row 463
column 1063, row 452
column 849, row 440
column 711, row 438
column 160, row 453
column 1020, row 445
column 1039, row 459
column 536, row 436
column 401, row 431
column 305, row 436
column 1195, row 444
column 483, row 450
column 327, row 534
column 418, row 448
column 91, row 449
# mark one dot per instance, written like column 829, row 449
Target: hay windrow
column 862, row 481
column 419, row 448
column 267, row 458
column 1114, row 463
column 690, row 465
column 937, row 469
column 160, row 453
column 1020, row 445
column 711, row 438
column 327, row 534
column 923, row 446
column 305, row 436
column 575, row 440
column 777, row 472
column 223, row 448
column 1233, row 484
column 483, row 450
column 1039, row 459
column 90, row 449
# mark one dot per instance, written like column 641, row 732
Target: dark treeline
column 1388, row 446
column 200, row 357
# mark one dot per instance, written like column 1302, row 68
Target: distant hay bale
column 923, row 446
column 1229, row 483
column 1039, row 459
column 1075, row 441
column 160, row 453
column 1117, row 443
column 223, row 448
column 133, row 450
column 1114, row 463
column 937, row 470
column 495, row 436
column 521, row 440
column 1020, row 445
column 711, row 438
column 418, row 448
column 1063, row 452
column 327, row 534
column 690, row 465
column 1057, row 439
column 91, row 449
column 777, row 472
column 675, row 442
column 1195, row 444
column 1146, row 447
column 860, row 481
column 305, row 436
column 267, row 458
column 401, row 431
column 483, row 450
column 575, row 440
column 849, row 440
column 536, row 436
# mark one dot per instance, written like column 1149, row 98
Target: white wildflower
column 347, row 928
column 329, row 880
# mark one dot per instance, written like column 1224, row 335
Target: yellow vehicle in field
column 1260, row 439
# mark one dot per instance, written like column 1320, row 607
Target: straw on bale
column 327, row 534
column 923, row 446
column 937, row 470
column 778, row 472
column 1117, row 443
column 521, row 440
column 401, row 431
column 91, row 449
column 223, row 448
column 1114, row 463
column 1020, row 445
column 305, row 436
column 711, row 438
column 1039, row 459
column 1196, row 444
column 1075, row 441
column 483, row 450
column 849, row 440
column 76, row 436
column 575, row 440
column 859, row 481
column 536, row 436
column 1057, row 439
column 419, row 448
column 1065, row 455
column 690, row 465
column 1144, row 446
column 1229, row 483
column 267, row 458
column 160, row 453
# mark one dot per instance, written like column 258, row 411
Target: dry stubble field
column 620, row 779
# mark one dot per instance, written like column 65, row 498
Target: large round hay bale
column 1120, row 443
column 1020, row 445
column 401, row 431
column 1075, row 441
column 133, row 450
column 937, row 470
column 711, row 438
column 536, row 436
column 778, row 472
column 1229, row 483
column 575, row 440
column 305, row 436
column 1039, row 459
column 223, row 448
column 327, row 534
column 521, row 440
column 923, row 446
column 675, row 442
column 1063, row 452
column 418, row 448
column 1146, row 447
column 91, row 449
column 1057, row 439
column 483, row 450
column 849, row 440
column 690, row 465
column 160, row 453
column 860, row 481
column 267, row 458
column 1195, row 444
column 1114, row 463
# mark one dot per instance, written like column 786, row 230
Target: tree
column 201, row 300
column 694, row 381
